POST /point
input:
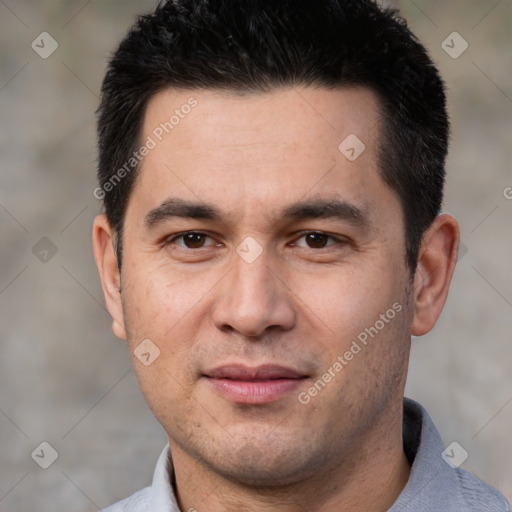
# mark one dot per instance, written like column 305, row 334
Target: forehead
column 260, row 150
column 282, row 116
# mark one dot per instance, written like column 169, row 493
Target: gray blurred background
column 66, row 380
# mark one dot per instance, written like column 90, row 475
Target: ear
column 436, row 262
column 106, row 261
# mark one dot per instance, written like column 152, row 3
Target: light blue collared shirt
column 433, row 486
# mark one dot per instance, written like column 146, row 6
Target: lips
column 245, row 373
column 254, row 385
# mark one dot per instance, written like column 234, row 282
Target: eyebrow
column 178, row 208
column 307, row 210
column 326, row 209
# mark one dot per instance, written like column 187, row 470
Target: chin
column 261, row 467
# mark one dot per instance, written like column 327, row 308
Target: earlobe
column 436, row 263
column 106, row 261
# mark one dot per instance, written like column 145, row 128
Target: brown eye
column 191, row 240
column 316, row 240
column 194, row 240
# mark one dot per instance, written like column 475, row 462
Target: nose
column 254, row 299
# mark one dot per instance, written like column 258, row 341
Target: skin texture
column 251, row 157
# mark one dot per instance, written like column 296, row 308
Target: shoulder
column 477, row 495
column 434, row 483
column 137, row 502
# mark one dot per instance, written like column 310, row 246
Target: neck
column 370, row 477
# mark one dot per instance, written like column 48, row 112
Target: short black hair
column 255, row 46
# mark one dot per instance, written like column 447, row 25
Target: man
column 272, row 175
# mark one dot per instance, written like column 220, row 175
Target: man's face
column 297, row 251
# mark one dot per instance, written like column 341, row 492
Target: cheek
column 160, row 302
column 364, row 320
column 170, row 312
column 164, row 313
column 165, row 391
column 347, row 301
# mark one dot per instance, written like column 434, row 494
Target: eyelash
column 337, row 241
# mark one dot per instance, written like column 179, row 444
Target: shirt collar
column 162, row 494
column 432, row 480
